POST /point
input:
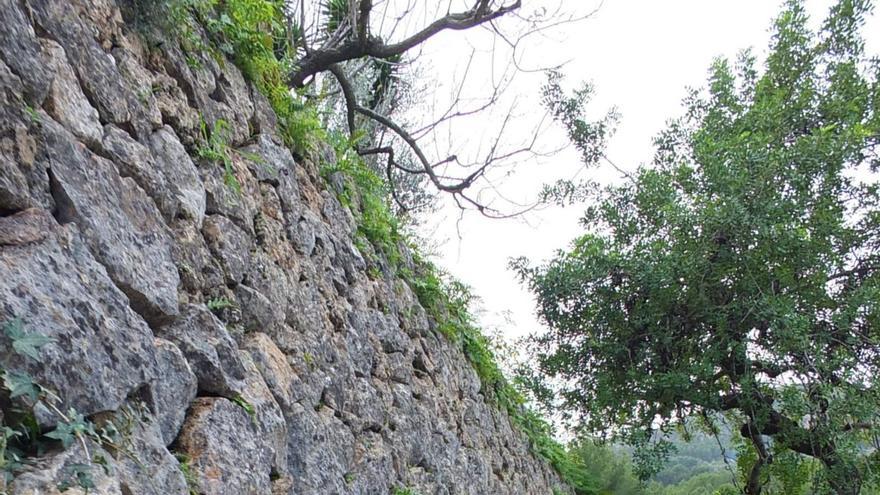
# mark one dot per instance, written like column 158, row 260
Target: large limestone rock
column 102, row 350
column 20, row 51
column 211, row 352
column 66, row 102
column 120, row 223
column 172, row 390
column 146, row 467
column 163, row 170
column 225, row 450
column 183, row 183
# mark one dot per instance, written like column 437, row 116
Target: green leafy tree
column 612, row 470
column 739, row 275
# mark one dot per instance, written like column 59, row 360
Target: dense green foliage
column 256, row 36
column 739, row 275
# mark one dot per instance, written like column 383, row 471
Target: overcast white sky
column 640, row 55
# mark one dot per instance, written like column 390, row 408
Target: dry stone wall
column 124, row 249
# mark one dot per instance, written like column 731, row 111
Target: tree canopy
column 739, row 274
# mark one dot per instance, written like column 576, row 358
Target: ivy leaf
column 79, row 475
column 64, row 433
column 30, row 344
column 25, row 344
column 12, row 329
column 20, row 384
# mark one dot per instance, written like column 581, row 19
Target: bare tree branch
column 365, row 45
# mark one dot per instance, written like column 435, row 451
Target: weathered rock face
column 237, row 334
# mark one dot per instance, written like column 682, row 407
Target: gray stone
column 266, row 415
column 46, row 473
column 272, row 365
column 230, row 245
column 219, row 91
column 269, row 280
column 20, row 50
column 13, row 185
column 146, row 467
column 164, row 171
column 135, row 160
column 305, row 310
column 257, row 312
column 302, row 232
column 12, row 88
column 101, row 350
column 25, row 227
column 24, row 182
column 96, row 69
column 321, row 450
column 184, row 184
column 267, row 161
column 66, row 102
column 360, row 351
column 337, row 215
column 225, row 451
column 121, row 224
column 172, row 390
column 137, row 77
column 221, row 198
column 198, row 270
column 211, row 352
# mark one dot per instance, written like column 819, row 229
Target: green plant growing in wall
column 185, row 467
column 254, row 33
column 367, row 196
column 219, row 303
column 215, row 148
column 247, row 406
column 19, row 433
column 32, row 114
column 309, row 359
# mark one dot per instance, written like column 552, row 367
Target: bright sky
column 640, row 55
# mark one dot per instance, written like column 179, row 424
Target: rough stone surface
column 184, row 185
column 25, row 227
column 225, row 450
column 237, row 330
column 230, row 245
column 121, row 224
column 163, row 170
column 211, row 352
column 101, row 349
column 172, row 390
column 20, row 50
column 147, row 467
column 66, row 102
column 44, row 477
